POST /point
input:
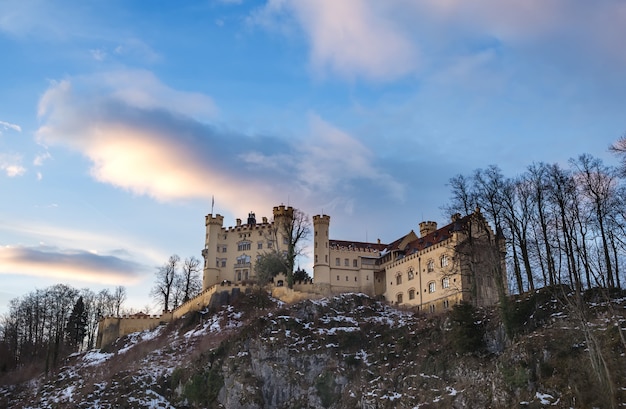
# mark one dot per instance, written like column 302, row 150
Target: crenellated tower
column 211, row 272
column 283, row 216
column 321, row 249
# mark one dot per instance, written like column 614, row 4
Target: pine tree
column 77, row 324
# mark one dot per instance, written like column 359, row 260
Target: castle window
column 430, row 266
column 410, row 274
column 398, row 279
column 411, row 294
column 444, row 260
column 354, row 278
column 431, row 308
column 337, row 278
column 217, row 262
column 399, row 298
column 245, row 274
column 223, row 262
column 243, row 246
column 446, row 304
column 326, row 258
column 337, row 261
column 316, row 258
column 218, row 249
column 445, row 283
column 243, row 259
column 346, row 262
column 431, row 287
column 270, row 244
column 346, row 278
column 259, row 245
column 238, row 275
column 355, row 263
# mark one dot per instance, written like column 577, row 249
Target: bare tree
column 165, row 279
column 289, row 233
column 190, row 278
column 296, row 230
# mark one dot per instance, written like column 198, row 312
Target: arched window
column 431, row 287
column 399, row 298
column 445, row 282
column 410, row 273
column 243, row 246
column 412, row 294
column 444, row 260
column 430, row 266
column 398, row 279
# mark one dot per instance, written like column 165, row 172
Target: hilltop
column 351, row 351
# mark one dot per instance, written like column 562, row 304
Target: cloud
column 11, row 165
column 331, row 158
column 41, row 158
column 349, row 38
column 387, row 41
column 6, row 126
column 68, row 264
column 139, row 139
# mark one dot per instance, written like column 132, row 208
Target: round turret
column 321, row 249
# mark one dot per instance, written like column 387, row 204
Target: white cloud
column 98, row 54
column 139, row 140
column 11, row 165
column 41, row 158
column 385, row 41
column 349, row 38
column 7, row 125
column 330, row 159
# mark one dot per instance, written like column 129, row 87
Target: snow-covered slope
column 344, row 352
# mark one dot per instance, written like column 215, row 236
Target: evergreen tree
column 77, row 324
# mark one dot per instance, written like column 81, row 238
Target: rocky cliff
column 351, row 351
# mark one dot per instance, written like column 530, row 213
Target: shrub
column 325, row 385
column 467, row 334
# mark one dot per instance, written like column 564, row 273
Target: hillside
column 350, row 351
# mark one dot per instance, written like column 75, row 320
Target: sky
column 121, row 121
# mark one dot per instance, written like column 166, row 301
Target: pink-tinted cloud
column 68, row 264
column 136, row 139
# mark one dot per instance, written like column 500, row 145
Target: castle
column 431, row 271
column 461, row 261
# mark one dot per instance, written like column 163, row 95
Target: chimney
column 251, row 218
column 456, row 217
column 238, row 222
column 264, row 220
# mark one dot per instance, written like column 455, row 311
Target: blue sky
column 120, row 120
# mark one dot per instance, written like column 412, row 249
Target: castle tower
column 211, row 273
column 321, row 250
column 427, row 228
column 282, row 219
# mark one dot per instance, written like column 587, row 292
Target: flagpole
column 212, row 203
